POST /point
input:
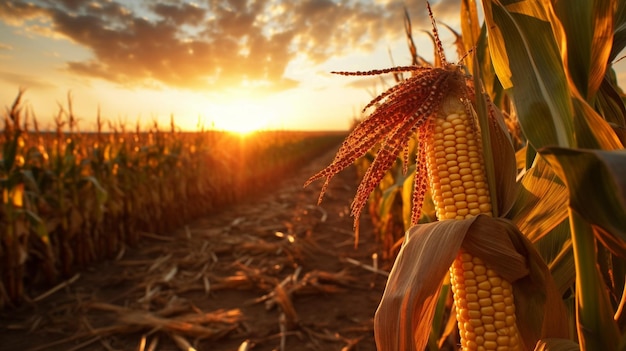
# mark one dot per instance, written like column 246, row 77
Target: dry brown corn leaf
column 284, row 300
column 182, row 343
column 539, row 308
column 404, row 316
column 489, row 239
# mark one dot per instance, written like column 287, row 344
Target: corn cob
column 485, row 310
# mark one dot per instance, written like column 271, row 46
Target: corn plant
column 573, row 96
column 516, row 206
column 72, row 198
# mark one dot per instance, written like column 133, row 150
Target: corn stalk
column 71, row 199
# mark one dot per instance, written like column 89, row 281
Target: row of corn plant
column 71, row 198
column 521, row 151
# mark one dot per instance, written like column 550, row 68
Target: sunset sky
column 227, row 64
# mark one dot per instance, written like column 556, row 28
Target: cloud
column 214, row 44
column 181, row 14
column 24, row 81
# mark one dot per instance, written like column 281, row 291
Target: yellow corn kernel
column 483, row 300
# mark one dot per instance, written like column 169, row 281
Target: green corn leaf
column 589, row 28
column 619, row 32
column 592, row 131
column 609, row 103
column 438, row 319
column 101, row 193
column 38, row 225
column 602, row 29
column 539, row 306
column 482, row 115
column 563, row 268
column 529, row 156
column 527, row 61
column 9, row 153
column 552, row 245
column 597, row 190
column 594, row 314
column 387, row 201
column 541, row 202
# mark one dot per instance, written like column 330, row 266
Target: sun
column 243, row 116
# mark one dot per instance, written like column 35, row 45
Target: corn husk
column 404, row 316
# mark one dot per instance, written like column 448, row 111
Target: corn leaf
column 597, row 330
column 597, row 190
column 563, row 268
column 589, row 28
column 438, row 319
column 393, row 185
column 610, row 105
column 403, row 320
column 503, row 155
column 411, row 43
column 404, row 317
column 539, row 308
column 470, row 28
column 388, row 199
column 38, row 225
column 499, row 154
column 101, row 194
column 489, row 239
column 592, row 131
column 538, row 304
column 557, row 345
column 482, row 114
column 492, row 85
column 603, row 12
column 9, row 153
column 527, row 61
column 619, row 32
column 541, row 202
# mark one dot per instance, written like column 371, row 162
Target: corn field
column 496, row 185
column 71, row 199
column 509, row 232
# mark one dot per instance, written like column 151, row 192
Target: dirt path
column 276, row 273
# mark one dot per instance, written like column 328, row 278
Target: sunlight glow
column 242, row 116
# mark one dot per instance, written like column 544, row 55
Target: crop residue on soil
column 275, row 273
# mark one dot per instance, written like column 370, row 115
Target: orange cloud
column 24, row 81
column 212, row 45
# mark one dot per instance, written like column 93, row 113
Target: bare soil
column 274, row 273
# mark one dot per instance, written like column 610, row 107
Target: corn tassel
column 485, row 310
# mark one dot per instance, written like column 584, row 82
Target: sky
column 224, row 64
